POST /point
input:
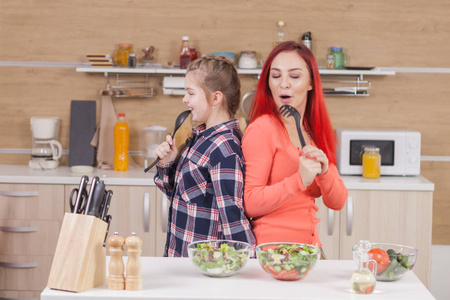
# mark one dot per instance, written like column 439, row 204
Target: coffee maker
column 46, row 149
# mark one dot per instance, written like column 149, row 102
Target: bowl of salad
column 287, row 261
column 219, row 258
column 392, row 260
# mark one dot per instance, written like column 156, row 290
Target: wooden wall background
column 403, row 33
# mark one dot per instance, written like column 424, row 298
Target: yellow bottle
column 371, row 162
column 121, row 143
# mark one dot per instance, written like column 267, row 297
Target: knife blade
column 106, row 204
column 83, row 184
column 97, row 199
column 94, row 182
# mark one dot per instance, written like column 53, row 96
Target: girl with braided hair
column 205, row 183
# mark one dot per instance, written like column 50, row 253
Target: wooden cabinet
column 137, row 209
column 400, row 217
column 30, row 218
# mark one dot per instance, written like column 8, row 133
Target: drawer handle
column 146, row 212
column 330, row 221
column 18, row 229
column 19, row 193
column 349, row 215
column 19, row 265
column 164, row 213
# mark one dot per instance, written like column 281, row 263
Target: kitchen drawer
column 24, row 273
column 31, row 202
column 22, row 295
column 28, row 237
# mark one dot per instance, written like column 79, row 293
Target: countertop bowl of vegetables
column 287, row 261
column 219, row 258
column 393, row 260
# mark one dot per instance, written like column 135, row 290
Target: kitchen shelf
column 177, row 71
column 339, row 77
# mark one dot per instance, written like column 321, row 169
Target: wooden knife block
column 80, row 258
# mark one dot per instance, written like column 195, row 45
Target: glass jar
column 340, row 59
column 122, row 54
column 371, row 162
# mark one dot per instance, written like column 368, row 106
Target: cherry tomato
column 381, row 257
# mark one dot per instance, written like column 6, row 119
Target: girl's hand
column 313, row 162
column 167, row 151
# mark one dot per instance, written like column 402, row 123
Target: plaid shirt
column 206, row 188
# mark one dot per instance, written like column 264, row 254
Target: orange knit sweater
column 281, row 208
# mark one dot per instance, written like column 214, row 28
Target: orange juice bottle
column 121, row 143
column 371, row 162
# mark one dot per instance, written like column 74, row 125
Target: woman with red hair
column 282, row 178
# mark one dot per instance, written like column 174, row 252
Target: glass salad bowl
column 392, row 260
column 219, row 258
column 287, row 261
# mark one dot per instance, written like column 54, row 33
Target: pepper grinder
column 134, row 269
column 116, row 280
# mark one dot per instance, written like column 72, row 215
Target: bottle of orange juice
column 121, row 143
column 371, row 162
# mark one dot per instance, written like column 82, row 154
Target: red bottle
column 185, row 56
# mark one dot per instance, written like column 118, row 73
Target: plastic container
column 280, row 34
column 151, row 137
column 121, row 143
column 185, row 55
column 371, row 162
column 330, row 62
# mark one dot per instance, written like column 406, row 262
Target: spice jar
column 330, row 62
column 371, row 162
column 122, row 54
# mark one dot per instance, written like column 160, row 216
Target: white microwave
column 399, row 150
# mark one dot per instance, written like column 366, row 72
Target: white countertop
column 137, row 177
column 178, row 278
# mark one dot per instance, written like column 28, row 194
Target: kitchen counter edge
column 137, row 177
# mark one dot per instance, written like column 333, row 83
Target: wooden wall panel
column 404, row 33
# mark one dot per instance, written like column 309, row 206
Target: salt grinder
column 134, row 269
column 116, row 280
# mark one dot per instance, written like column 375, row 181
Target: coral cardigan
column 280, row 207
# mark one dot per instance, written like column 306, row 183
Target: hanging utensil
column 289, row 111
column 180, row 120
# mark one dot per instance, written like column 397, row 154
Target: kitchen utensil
column 106, row 204
column 108, row 219
column 246, row 102
column 94, row 182
column 79, row 205
column 289, row 111
column 97, row 199
column 180, row 120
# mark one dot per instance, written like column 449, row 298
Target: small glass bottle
column 132, row 60
column 280, row 34
column 185, row 55
column 363, row 280
column 330, row 62
column 371, row 162
column 306, row 39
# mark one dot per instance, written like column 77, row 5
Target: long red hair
column 316, row 119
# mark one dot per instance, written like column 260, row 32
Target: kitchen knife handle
column 94, row 182
column 106, row 204
column 97, row 199
column 83, row 183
